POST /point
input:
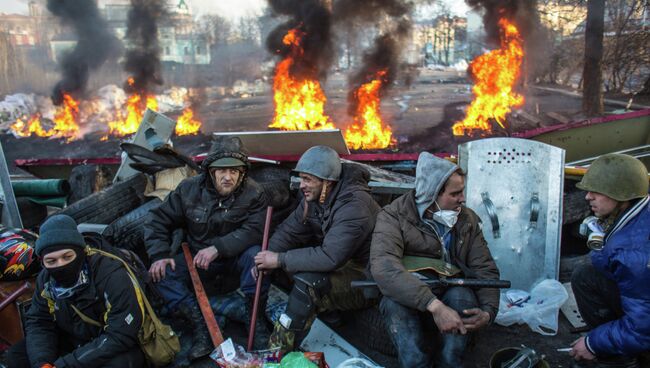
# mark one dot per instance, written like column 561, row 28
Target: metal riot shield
column 515, row 186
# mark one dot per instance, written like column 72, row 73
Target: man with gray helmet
column 221, row 213
column 612, row 292
column 323, row 244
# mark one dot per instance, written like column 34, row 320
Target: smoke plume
column 313, row 21
column 143, row 57
column 96, row 44
column 385, row 55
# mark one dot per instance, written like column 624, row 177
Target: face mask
column 446, row 217
column 66, row 276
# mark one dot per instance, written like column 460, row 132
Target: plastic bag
column 357, row 363
column 297, row 360
column 539, row 309
column 230, row 355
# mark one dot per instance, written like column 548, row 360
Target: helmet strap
column 325, row 191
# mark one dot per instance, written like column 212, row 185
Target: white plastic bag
column 357, row 363
column 539, row 312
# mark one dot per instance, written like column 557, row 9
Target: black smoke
column 312, row 19
column 95, row 45
column 385, row 55
column 522, row 12
column 143, row 57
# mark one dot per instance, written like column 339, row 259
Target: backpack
column 157, row 340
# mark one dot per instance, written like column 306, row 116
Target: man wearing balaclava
column 429, row 229
column 97, row 287
column 221, row 213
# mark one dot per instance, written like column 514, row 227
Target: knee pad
column 309, row 287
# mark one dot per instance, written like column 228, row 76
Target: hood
column 430, row 175
column 353, row 178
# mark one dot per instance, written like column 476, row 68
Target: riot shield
column 515, row 186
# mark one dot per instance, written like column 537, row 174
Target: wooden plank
column 559, row 117
column 526, row 116
column 269, row 143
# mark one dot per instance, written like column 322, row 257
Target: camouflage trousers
column 341, row 297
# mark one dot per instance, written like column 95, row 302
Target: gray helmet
column 322, row 162
column 620, row 177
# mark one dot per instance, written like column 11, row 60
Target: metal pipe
column 260, row 275
column 202, row 298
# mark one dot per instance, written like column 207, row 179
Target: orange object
column 202, row 298
column 317, row 358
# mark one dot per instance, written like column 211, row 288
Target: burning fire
column 299, row 104
column 368, row 131
column 136, row 104
column 186, row 123
column 494, row 74
column 65, row 125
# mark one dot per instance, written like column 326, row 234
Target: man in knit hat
column 70, row 285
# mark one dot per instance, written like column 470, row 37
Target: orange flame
column 494, row 74
column 299, row 104
column 186, row 123
column 135, row 107
column 65, row 125
column 368, row 130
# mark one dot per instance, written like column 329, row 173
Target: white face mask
column 446, row 217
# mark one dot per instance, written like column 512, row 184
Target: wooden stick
column 202, row 298
column 260, row 275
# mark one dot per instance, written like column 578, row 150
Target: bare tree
column 10, row 65
column 592, row 99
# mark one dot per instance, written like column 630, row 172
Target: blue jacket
column 625, row 259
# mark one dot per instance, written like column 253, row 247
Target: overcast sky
column 227, row 8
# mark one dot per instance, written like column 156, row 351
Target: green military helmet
column 320, row 161
column 620, row 177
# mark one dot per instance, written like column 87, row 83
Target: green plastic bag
column 296, row 360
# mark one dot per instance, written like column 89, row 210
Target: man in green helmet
column 612, row 292
column 324, row 244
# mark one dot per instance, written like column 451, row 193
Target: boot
column 201, row 341
column 262, row 333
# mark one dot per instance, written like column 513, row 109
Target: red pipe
column 258, row 288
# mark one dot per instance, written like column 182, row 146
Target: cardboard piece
column 289, row 142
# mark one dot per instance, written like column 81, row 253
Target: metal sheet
column 10, row 212
column 570, row 308
column 336, row 349
column 163, row 127
column 289, row 142
column 515, row 186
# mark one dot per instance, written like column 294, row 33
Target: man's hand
column 580, row 351
column 267, row 260
column 478, row 318
column 205, row 256
column 447, row 319
column 157, row 269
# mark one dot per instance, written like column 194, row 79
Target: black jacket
column 109, row 297
column 231, row 224
column 333, row 233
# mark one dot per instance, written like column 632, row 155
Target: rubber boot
column 201, row 341
column 262, row 333
column 618, row 362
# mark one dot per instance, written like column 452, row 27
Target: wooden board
column 289, row 142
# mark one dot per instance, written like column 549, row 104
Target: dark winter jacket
column 625, row 259
column 109, row 297
column 231, row 224
column 332, row 233
column 400, row 231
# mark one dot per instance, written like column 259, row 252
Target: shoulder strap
column 142, row 298
column 85, row 318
